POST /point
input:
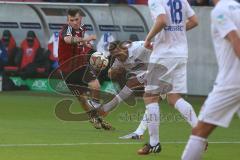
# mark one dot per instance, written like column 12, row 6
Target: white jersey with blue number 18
column 171, row 41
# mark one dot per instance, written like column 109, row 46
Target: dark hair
column 73, row 11
column 113, row 45
column 31, row 35
column 119, row 44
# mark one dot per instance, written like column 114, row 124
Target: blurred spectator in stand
column 29, row 47
column 53, row 49
column 12, row 50
column 133, row 37
column 34, row 60
column 103, row 43
column 3, row 57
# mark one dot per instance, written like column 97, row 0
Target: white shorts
column 175, row 75
column 220, row 106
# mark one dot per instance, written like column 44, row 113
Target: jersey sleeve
column 189, row 10
column 222, row 22
column 156, row 7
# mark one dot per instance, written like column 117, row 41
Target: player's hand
column 148, row 45
column 78, row 39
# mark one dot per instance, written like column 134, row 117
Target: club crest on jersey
column 221, row 19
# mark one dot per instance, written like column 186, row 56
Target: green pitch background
column 29, row 130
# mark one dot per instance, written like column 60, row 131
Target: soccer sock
column 122, row 95
column 143, row 125
column 194, row 148
column 187, row 111
column 153, row 122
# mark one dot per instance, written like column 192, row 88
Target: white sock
column 153, row 122
column 143, row 125
column 122, row 95
column 194, row 148
column 187, row 111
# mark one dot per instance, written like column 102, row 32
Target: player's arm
column 76, row 40
column 160, row 23
column 234, row 39
column 192, row 22
column 227, row 29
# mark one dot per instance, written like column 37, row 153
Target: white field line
column 113, row 143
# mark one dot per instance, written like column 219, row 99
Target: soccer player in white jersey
column 131, row 57
column 224, row 100
column 172, row 18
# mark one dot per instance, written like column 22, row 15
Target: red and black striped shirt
column 72, row 56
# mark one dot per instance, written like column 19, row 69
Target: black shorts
column 79, row 79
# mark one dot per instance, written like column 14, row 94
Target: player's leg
column 124, row 94
column 94, row 86
column 79, row 89
column 218, row 110
column 117, row 75
column 138, row 133
column 78, row 82
column 185, row 108
column 95, row 115
column 153, row 121
column 77, row 86
column 142, row 127
column 153, row 87
column 179, row 81
column 198, row 141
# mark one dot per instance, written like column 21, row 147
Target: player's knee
column 195, row 131
column 172, row 99
column 203, row 129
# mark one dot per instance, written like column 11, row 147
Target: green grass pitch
column 29, row 130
